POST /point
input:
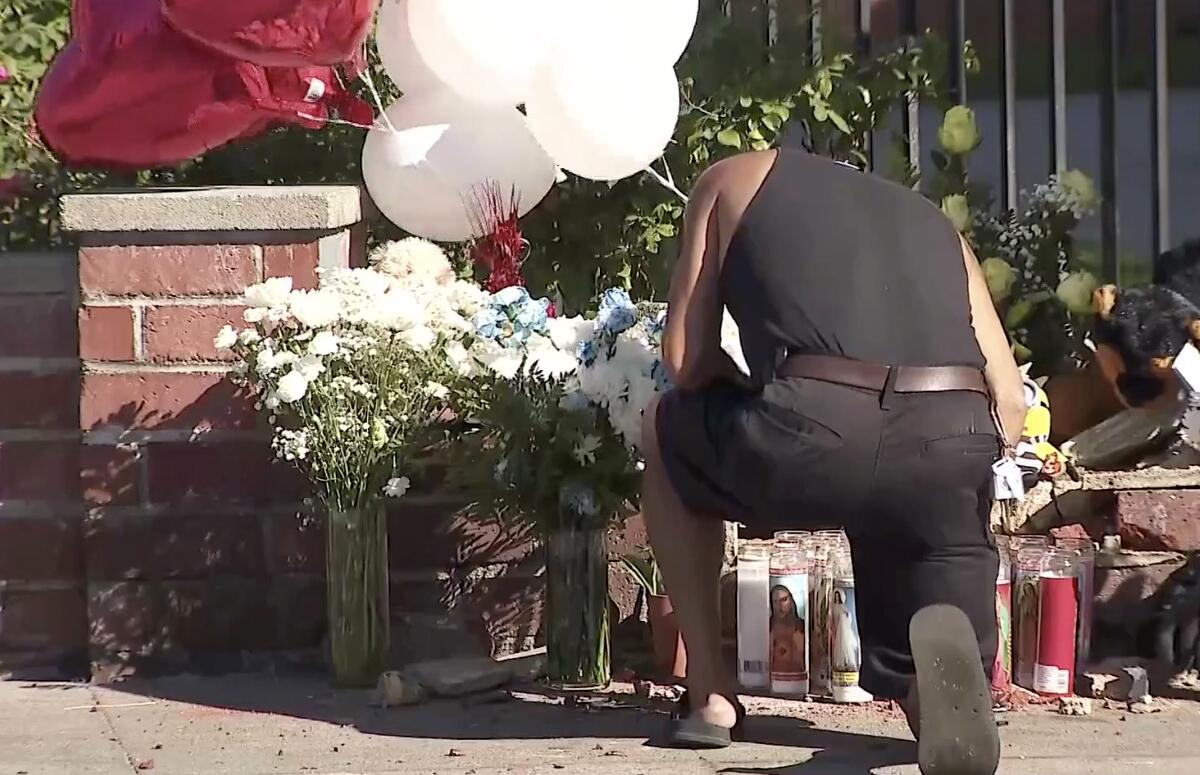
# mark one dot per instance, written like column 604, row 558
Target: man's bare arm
column 1001, row 370
column 691, row 340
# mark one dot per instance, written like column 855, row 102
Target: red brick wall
column 143, row 518
column 196, row 540
column 42, row 602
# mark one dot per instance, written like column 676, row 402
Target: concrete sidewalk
column 260, row 725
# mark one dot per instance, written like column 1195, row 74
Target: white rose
column 272, row 293
column 226, row 338
column 397, row 487
column 292, row 387
column 324, row 343
column 315, row 309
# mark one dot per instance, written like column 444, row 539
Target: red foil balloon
column 276, row 33
column 129, row 91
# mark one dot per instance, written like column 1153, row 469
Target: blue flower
column 531, row 314
column 487, row 322
column 507, row 297
column 587, row 352
column 617, row 312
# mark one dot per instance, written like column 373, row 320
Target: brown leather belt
column 881, row 378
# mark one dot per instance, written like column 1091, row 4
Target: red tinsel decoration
column 500, row 248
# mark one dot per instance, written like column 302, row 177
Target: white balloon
column 651, row 31
column 486, row 50
column 427, row 175
column 603, row 119
column 398, row 52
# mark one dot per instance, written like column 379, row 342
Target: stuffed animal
column 1139, row 331
column 1036, row 456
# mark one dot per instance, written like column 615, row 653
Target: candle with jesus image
column 788, row 624
column 845, row 646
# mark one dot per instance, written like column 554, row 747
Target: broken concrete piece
column 1094, row 685
column 1145, row 705
column 459, row 677
column 527, row 667
column 1074, row 706
column 1138, row 687
column 394, row 690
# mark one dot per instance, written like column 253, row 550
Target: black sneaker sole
column 958, row 731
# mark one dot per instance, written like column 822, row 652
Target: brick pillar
column 196, row 543
column 42, row 612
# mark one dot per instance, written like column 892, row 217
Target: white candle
column 753, row 616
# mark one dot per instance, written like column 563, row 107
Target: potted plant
column 670, row 655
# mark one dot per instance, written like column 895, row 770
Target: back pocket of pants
column 964, row 444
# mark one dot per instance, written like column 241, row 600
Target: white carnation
column 414, row 261
column 226, row 338
column 324, row 343
column 567, row 333
column 270, row 294
column 315, row 309
column 292, row 387
column 459, row 358
column 499, row 360
column 248, row 336
column 310, row 367
column 254, row 315
column 420, row 338
column 550, row 362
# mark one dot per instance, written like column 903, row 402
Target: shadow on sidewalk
column 532, row 713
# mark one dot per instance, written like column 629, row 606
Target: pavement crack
column 112, row 728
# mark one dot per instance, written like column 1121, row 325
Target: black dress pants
column 908, row 476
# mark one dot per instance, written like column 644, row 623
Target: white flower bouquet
column 356, row 378
column 356, row 374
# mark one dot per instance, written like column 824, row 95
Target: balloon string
column 667, row 183
column 327, row 120
column 366, row 76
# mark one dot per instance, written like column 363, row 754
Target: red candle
column 1054, row 675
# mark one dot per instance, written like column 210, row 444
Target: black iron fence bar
column 912, row 112
column 862, row 44
column 1109, row 225
column 772, row 7
column 1058, row 86
column 1008, row 105
column 958, row 39
column 816, row 33
column 1160, row 138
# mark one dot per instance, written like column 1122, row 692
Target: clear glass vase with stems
column 577, row 620
column 357, row 593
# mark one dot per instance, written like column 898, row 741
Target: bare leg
column 689, row 549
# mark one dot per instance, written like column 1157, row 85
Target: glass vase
column 357, row 594
column 577, row 636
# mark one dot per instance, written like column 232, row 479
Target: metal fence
column 1106, row 32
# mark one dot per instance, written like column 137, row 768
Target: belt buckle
column 889, row 388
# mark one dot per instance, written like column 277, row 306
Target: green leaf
column 730, row 138
column 839, row 122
